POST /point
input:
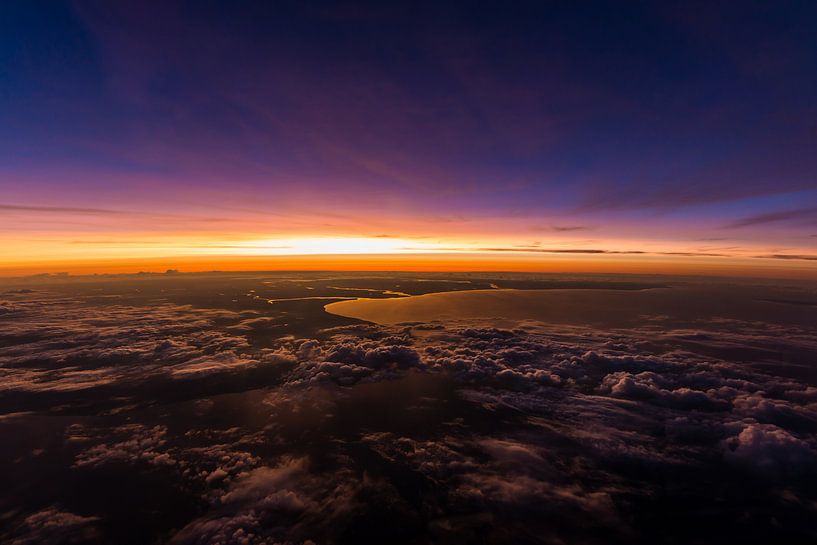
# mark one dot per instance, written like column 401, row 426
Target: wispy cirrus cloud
column 804, row 257
column 563, row 228
column 78, row 210
column 535, row 249
column 797, row 217
column 58, row 209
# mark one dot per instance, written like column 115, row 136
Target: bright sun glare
column 333, row 245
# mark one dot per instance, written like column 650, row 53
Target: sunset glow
column 149, row 252
column 355, row 272
column 131, row 145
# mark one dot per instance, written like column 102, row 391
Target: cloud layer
column 450, row 431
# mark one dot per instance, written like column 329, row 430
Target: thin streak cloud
column 801, row 216
column 57, row 209
column 790, row 256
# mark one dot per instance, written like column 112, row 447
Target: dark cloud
column 456, row 430
column 694, row 254
column 139, row 445
column 593, row 251
column 546, row 250
column 798, row 216
column 537, row 250
column 564, row 228
column 133, row 215
column 769, row 448
column 57, row 209
column 790, row 256
column 58, row 349
column 53, row 525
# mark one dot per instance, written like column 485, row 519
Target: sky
column 593, row 136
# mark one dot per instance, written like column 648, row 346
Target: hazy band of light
column 130, row 255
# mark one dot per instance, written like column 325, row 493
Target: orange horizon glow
column 37, row 240
column 424, row 262
column 103, row 248
column 129, row 149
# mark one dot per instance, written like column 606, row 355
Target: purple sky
column 691, row 125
